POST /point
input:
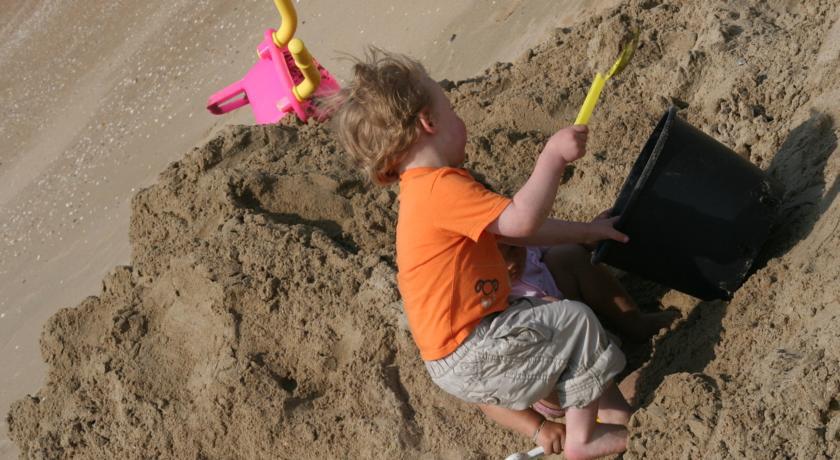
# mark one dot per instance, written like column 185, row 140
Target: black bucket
column 696, row 213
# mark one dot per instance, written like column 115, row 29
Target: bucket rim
column 667, row 121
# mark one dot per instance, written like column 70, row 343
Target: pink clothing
column 536, row 280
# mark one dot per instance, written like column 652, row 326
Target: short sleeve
column 463, row 205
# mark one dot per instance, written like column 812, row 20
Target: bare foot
column 646, row 325
column 659, row 320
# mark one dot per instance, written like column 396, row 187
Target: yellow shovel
column 598, row 84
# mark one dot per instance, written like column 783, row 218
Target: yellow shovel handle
column 591, row 99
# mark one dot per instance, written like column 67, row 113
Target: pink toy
column 283, row 80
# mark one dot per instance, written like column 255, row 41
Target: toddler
column 399, row 125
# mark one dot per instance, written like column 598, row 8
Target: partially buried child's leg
column 578, row 279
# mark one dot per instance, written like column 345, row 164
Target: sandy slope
column 259, row 315
column 100, row 96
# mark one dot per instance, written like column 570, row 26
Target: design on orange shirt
column 487, row 289
column 450, row 271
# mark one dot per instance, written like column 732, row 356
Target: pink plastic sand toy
column 284, row 79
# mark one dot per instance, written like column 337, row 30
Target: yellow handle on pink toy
column 311, row 75
column 591, row 100
column 288, row 24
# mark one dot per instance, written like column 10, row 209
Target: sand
column 258, row 315
column 89, row 122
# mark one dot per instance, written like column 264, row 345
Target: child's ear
column 426, row 121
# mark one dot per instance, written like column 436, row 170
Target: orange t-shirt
column 451, row 273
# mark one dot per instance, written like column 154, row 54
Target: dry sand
column 95, row 117
column 259, row 316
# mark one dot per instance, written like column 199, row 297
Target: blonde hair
column 376, row 116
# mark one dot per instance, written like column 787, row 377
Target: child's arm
column 526, row 422
column 554, row 231
column 532, row 203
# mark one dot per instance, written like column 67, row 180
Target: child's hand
column 552, row 437
column 605, row 214
column 569, row 144
column 603, row 228
column 604, row 225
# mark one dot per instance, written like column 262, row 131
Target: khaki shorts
column 519, row 356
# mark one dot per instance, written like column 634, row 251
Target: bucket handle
column 218, row 102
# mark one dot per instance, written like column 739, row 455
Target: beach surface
column 207, row 290
column 100, row 98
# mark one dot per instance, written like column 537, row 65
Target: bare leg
column 586, row 439
column 595, row 286
column 612, row 407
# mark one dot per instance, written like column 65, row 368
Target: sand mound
column 260, row 317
